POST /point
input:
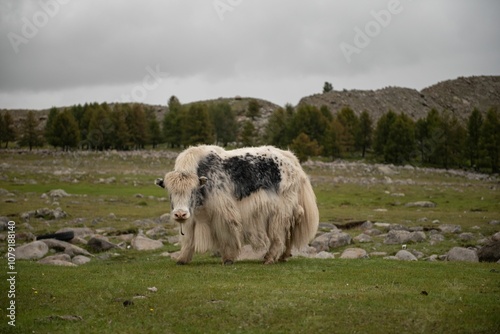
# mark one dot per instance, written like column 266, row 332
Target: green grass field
column 110, row 294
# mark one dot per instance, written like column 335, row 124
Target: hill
column 460, row 96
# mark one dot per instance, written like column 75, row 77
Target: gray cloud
column 258, row 45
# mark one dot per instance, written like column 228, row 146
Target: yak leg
column 227, row 236
column 276, row 237
column 187, row 248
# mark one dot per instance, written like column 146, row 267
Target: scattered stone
column 58, row 260
column 44, row 213
column 65, row 247
column 324, row 255
column 141, row 242
column 405, row 255
column 156, row 232
column 331, row 240
column 99, row 244
column 33, row 251
column 382, row 225
column 58, row 193
column 462, row 254
column 449, row 228
column 489, row 252
column 306, row 251
column 417, row 236
column 362, row 238
column 395, row 237
column 421, row 204
column 378, row 254
column 81, row 232
column 80, row 259
column 494, row 222
column 496, row 236
column 466, row 236
column 435, row 239
column 354, row 253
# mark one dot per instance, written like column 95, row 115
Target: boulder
column 98, row 244
column 449, row 228
column 405, row 255
column 421, row 204
column 489, row 252
column 81, row 232
column 141, row 242
column 32, row 251
column 354, row 253
column 331, row 240
column 396, row 237
column 65, row 247
column 362, row 238
column 58, row 193
column 324, row 255
column 80, row 259
column 462, row 254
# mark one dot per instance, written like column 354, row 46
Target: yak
column 225, row 199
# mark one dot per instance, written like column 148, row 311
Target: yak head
column 183, row 188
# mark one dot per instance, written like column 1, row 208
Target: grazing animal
column 225, row 199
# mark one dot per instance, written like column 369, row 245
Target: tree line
column 439, row 139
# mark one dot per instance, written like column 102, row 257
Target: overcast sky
column 64, row 52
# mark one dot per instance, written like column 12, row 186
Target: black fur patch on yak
column 248, row 173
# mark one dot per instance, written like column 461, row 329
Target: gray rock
column 65, row 247
column 98, row 244
column 141, row 242
column 354, row 253
column 395, row 237
column 32, row 251
column 462, row 254
column 466, row 236
column 362, row 238
column 494, row 222
column 405, row 255
column 436, row 238
column 58, row 193
column 378, row 254
column 81, row 232
column 421, row 204
column 324, row 255
column 417, row 236
column 55, row 259
column 156, row 232
column 80, row 259
column 489, row 252
column 331, row 240
column 496, row 236
column 449, row 228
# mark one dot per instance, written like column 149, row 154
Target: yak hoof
column 228, row 262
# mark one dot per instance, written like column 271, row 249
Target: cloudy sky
column 64, row 52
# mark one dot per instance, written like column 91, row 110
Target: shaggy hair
column 258, row 196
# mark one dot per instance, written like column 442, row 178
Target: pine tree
column 7, row 129
column 350, row 123
column 65, row 129
column 248, row 134
column 330, row 142
column 224, row 122
column 400, row 143
column 172, row 121
column 30, row 135
column 50, row 136
column 364, row 132
column 474, row 125
column 327, row 87
column 196, row 125
column 276, row 129
column 490, row 139
column 253, row 109
column 382, row 131
column 120, row 137
column 304, row 147
column 138, row 126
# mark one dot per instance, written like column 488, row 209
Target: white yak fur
column 274, row 221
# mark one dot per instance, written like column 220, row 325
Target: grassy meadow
column 114, row 292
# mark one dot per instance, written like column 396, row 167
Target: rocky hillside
column 460, row 96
